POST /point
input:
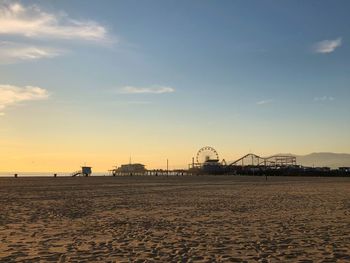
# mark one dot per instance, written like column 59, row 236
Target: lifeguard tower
column 85, row 171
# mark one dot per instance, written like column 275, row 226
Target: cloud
column 324, row 98
column 32, row 22
column 12, row 95
column 264, row 102
column 145, row 90
column 13, row 52
column 327, row 46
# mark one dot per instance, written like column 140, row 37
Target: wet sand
column 180, row 219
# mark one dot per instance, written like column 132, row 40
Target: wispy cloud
column 327, row 46
column 324, row 98
column 13, row 52
column 11, row 95
column 145, row 90
column 32, row 22
column 264, row 102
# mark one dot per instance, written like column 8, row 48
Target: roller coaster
column 208, row 162
column 271, row 161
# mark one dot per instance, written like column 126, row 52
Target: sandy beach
column 175, row 219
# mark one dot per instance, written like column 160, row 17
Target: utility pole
column 167, row 167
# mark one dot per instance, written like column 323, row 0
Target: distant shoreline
column 170, row 176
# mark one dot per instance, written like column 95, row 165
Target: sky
column 97, row 82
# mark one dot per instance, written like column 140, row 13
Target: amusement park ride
column 208, row 162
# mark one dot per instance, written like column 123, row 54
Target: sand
column 178, row 219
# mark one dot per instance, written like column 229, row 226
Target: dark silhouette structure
column 85, row 171
column 253, row 164
column 129, row 169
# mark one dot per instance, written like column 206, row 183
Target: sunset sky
column 95, row 82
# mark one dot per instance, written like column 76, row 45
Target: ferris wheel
column 206, row 154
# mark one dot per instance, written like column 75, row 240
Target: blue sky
column 163, row 78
